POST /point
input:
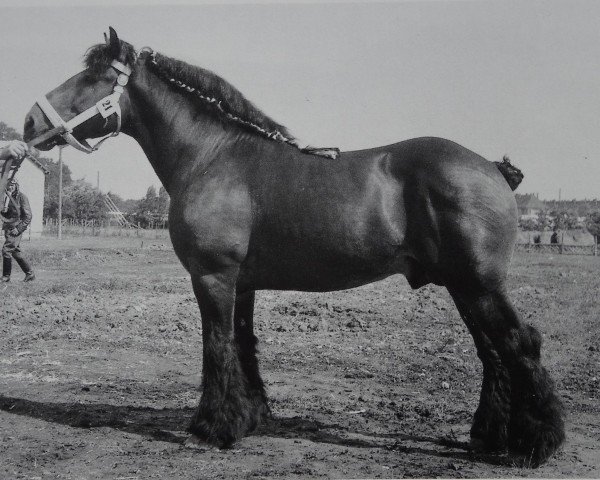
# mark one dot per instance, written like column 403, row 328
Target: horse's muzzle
column 35, row 125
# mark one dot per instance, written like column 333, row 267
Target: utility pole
column 60, row 185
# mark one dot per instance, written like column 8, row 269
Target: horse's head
column 91, row 104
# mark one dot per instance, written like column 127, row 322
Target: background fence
column 103, row 228
column 111, row 228
column 568, row 242
column 558, row 248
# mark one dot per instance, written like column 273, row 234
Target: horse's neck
column 170, row 130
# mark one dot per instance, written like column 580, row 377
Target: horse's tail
column 512, row 174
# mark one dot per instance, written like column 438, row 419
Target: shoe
column 6, row 279
column 29, row 277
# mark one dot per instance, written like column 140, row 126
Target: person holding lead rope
column 16, row 215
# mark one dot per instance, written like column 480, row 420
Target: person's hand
column 14, row 232
column 16, row 148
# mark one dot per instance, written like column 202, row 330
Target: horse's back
column 426, row 153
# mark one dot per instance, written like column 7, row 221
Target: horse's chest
column 212, row 223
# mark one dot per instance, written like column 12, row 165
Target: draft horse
column 251, row 209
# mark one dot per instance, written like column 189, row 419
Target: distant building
column 529, row 205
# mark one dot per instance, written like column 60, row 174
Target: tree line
column 562, row 215
column 82, row 201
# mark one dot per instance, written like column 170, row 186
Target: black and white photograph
column 261, row 239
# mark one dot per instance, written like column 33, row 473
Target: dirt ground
column 100, row 362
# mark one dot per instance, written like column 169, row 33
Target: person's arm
column 15, row 149
column 25, row 214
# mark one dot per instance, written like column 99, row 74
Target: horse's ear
column 115, row 44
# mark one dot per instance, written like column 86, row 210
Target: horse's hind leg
column 536, row 427
column 490, row 422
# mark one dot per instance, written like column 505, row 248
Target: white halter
column 106, row 107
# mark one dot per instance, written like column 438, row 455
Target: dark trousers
column 10, row 250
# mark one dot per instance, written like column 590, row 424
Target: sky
column 497, row 76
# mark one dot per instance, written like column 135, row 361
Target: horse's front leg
column 227, row 407
column 246, row 341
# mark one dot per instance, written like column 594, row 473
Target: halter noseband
column 105, row 107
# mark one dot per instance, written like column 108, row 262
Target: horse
column 252, row 209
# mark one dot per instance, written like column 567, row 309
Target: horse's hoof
column 197, row 443
column 540, row 448
column 537, row 432
column 479, row 445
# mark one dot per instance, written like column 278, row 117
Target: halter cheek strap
column 106, row 107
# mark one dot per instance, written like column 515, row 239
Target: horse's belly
column 320, row 270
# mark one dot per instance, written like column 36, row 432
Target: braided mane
column 208, row 90
column 219, row 95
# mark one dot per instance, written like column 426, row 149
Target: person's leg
column 7, row 250
column 16, row 253
column 29, row 275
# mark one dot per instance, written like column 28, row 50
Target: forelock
column 98, row 58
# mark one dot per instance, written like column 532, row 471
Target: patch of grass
column 112, row 284
column 165, row 288
column 59, row 289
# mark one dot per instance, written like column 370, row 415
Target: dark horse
column 251, row 210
